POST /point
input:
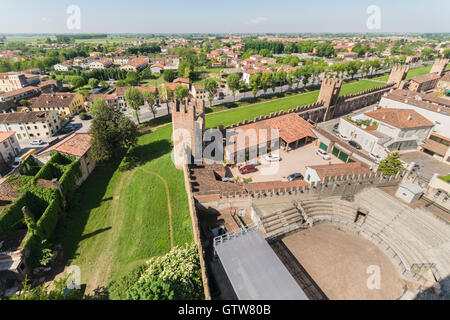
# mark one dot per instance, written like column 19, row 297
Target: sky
column 225, row 16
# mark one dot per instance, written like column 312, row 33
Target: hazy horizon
column 236, row 17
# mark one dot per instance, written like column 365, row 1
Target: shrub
column 118, row 288
column 176, row 275
column 84, row 116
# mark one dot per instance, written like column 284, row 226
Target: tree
column 169, row 75
column 134, row 99
column 77, row 81
column 111, row 132
column 93, row 83
column 255, row 82
column 211, row 87
column 132, row 78
column 233, row 83
column 150, row 98
column 181, row 92
column 165, row 95
column 391, row 165
column 59, row 292
column 265, row 81
column 446, row 53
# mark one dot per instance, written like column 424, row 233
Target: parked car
column 336, row 126
column 295, row 176
column 247, row 169
column 323, row 154
column 375, row 157
column 345, row 138
column 226, row 179
column 16, row 162
column 37, row 142
column 355, row 144
column 336, row 133
column 272, row 158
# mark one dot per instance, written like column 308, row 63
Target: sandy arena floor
column 338, row 259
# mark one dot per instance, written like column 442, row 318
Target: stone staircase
column 282, row 221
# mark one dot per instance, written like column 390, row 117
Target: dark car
column 295, row 176
column 247, row 169
column 355, row 144
column 336, row 126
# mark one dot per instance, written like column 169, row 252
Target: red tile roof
column 338, row 169
column 400, row 118
column 77, row 144
column 5, row 135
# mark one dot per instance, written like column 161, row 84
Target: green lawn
column 122, row 215
column 122, row 218
column 251, row 111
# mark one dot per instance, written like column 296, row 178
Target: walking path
column 168, row 203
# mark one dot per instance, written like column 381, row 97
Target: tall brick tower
column 398, row 74
column 439, row 66
column 188, row 124
column 329, row 92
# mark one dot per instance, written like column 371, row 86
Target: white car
column 345, row 138
column 273, row 158
column 375, row 157
column 17, row 162
column 37, row 142
column 323, row 154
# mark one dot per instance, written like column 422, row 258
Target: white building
column 9, row 147
column 387, row 130
column 31, row 125
column 409, row 192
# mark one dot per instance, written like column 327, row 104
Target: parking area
column 428, row 165
column 294, row 161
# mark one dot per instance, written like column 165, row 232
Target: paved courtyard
column 428, row 165
column 291, row 162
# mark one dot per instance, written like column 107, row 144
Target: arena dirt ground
column 338, row 261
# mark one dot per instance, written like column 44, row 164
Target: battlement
column 398, row 74
column 439, row 66
column 362, row 93
column 331, row 186
column 329, row 91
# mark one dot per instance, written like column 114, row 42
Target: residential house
column 387, row 130
column 101, row 64
column 31, row 125
column 77, row 145
column 65, row 104
column 157, row 68
column 136, row 65
column 9, row 148
column 62, row 66
column 120, row 93
column 198, row 91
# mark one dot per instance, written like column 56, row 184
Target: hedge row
column 47, row 223
column 68, row 179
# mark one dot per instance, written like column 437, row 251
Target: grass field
column 251, row 111
column 122, row 217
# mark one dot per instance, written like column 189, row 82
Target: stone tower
column 439, row 66
column 398, row 74
column 329, row 92
column 188, row 124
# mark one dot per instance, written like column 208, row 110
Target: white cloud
column 44, row 19
column 259, row 20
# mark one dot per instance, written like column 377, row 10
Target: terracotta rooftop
column 339, row 169
column 291, row 128
column 120, row 91
column 426, row 77
column 207, row 178
column 400, row 118
column 53, row 100
column 5, row 135
column 15, row 117
column 421, row 100
column 77, row 144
